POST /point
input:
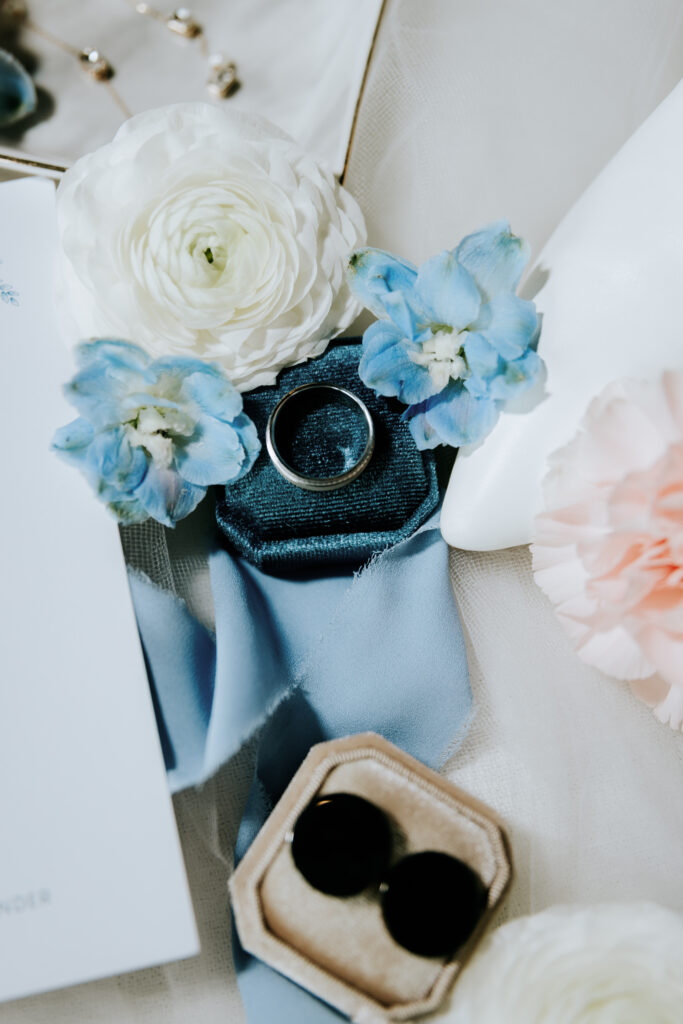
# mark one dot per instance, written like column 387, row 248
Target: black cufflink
column 431, row 901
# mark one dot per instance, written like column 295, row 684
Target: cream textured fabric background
column 586, row 778
column 474, row 109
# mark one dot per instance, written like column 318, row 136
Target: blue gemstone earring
column 17, row 92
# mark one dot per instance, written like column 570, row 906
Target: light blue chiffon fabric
column 305, row 659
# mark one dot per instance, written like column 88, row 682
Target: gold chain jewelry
column 180, row 21
column 222, row 80
column 90, row 59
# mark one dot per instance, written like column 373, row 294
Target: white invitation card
column 92, row 881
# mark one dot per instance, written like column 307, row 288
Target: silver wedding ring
column 279, row 425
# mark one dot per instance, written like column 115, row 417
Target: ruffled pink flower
column 608, row 548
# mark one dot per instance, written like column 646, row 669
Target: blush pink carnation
column 608, row 547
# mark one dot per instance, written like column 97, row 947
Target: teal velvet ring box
column 279, row 526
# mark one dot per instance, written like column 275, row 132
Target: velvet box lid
column 280, row 527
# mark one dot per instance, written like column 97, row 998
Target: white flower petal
column 608, row 547
column 205, row 232
column 604, row 964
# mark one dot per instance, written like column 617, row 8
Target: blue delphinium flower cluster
column 453, row 341
column 152, row 435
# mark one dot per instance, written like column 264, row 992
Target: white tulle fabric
column 475, row 111
column 472, row 112
column 584, row 775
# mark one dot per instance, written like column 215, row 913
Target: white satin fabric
column 474, row 109
column 607, row 287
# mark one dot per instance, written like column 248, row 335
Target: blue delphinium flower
column 8, row 294
column 152, row 435
column 18, row 96
column 453, row 341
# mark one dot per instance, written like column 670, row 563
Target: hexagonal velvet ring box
column 340, row 948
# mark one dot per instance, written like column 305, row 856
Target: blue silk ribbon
column 305, row 659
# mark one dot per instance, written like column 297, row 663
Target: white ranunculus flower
column 204, row 232
column 605, row 964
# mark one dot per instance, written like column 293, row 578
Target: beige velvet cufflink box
column 339, row 948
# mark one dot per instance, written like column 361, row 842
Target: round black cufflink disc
column 342, row 844
column 432, row 903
